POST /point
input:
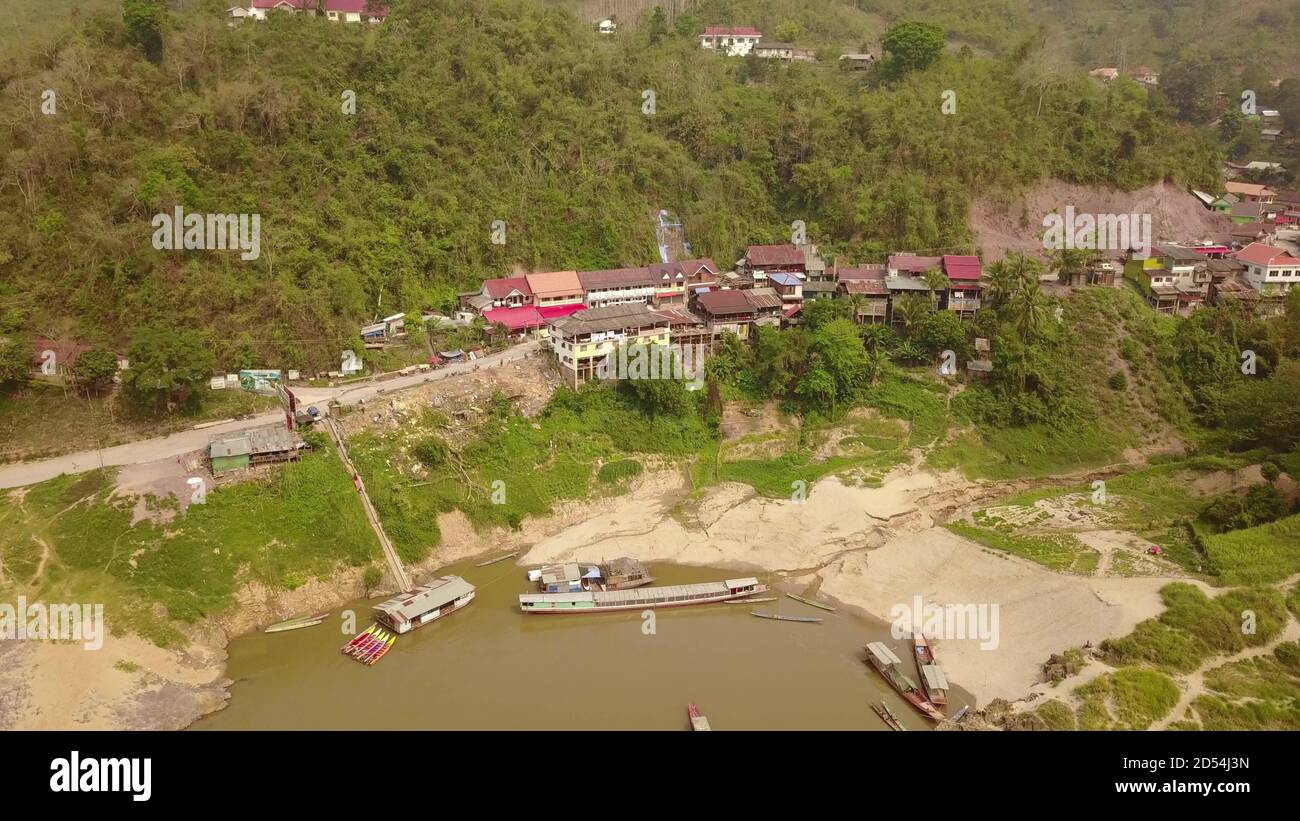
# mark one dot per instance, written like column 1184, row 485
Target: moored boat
column 698, row 721
column 889, row 666
column 622, row 573
column 751, row 601
column 294, row 624
column 779, row 617
column 640, row 598
column 933, row 681
column 497, row 559
column 887, row 716
column 407, row 611
column 811, row 603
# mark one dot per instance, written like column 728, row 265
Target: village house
column 252, row 447
column 1188, row 266
column 787, row 286
column 1245, row 233
column 1243, row 212
column 1250, row 192
column 733, row 41
column 911, row 265
column 1102, row 272
column 1104, row 74
column 379, row 333
column 761, row 260
column 860, row 61
column 1145, row 75
column 1269, row 269
column 1235, row 291
column 583, row 340
column 964, row 278
column 618, row 286
column 726, row 311
column 347, row 11
column 555, row 288
column 677, row 279
column 528, row 321
column 864, row 287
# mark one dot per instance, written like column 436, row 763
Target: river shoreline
column 868, row 549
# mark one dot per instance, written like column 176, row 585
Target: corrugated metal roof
column 934, row 677
column 762, row 298
column 774, row 255
column 426, row 597
column 882, row 653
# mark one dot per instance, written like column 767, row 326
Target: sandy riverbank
column 873, row 549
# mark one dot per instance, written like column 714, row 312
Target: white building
column 731, row 41
column 1269, row 269
column 348, row 11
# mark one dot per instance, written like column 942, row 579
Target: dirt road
column 163, row 447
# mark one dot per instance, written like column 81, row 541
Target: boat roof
column 934, row 677
column 637, row 595
column 556, row 573
column 882, row 653
column 426, row 597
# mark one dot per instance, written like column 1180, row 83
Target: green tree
column 912, row 46
column 144, row 24
column 840, row 351
column 658, row 26
column 94, row 370
column 15, row 358
column 1190, row 88
column 1029, row 311
column 937, row 282
column 167, row 365
column 909, row 310
column 787, row 31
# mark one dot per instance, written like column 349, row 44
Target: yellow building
column 582, row 341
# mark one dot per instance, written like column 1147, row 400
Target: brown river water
column 489, row 666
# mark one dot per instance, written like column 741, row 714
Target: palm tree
column 1029, row 310
column 937, row 281
column 856, row 301
column 909, row 310
column 875, row 337
column 1001, row 283
column 876, row 362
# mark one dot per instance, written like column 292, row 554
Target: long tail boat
column 887, row 716
column 889, row 666
column 933, row 681
column 750, row 601
column 698, row 721
column 640, row 598
column 374, row 657
column 779, row 617
column 294, row 624
column 497, row 559
column 358, row 639
column 811, row 603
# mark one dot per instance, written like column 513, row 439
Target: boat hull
column 613, row 608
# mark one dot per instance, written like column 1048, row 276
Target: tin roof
column 719, row 303
column 502, row 288
column 882, row 653
column 774, row 255
column 934, row 677
column 762, row 298
column 273, row 438
column 426, row 597
column 617, row 278
column 609, row 318
column 554, row 284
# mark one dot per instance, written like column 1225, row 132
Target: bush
column 1117, row 381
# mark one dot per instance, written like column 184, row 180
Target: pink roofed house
column 762, row 260
column 964, row 283
column 1269, row 269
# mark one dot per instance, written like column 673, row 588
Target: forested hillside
column 470, row 111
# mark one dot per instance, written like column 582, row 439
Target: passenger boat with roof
column 640, row 598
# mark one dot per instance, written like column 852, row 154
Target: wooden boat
column 750, row 601
column 779, row 617
column 811, row 603
column 348, row 648
column 368, row 643
column 887, row 716
column 497, row 559
column 698, row 721
column 374, row 657
column 933, row 681
column 640, row 598
column 889, row 666
column 294, row 624
column 961, row 714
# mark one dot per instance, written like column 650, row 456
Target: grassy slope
column 301, row 521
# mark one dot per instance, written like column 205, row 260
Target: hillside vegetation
column 471, row 111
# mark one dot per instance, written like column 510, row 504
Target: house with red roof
column 506, row 292
column 347, row 11
column 761, row 260
column 733, row 41
column 1269, row 269
column 964, row 283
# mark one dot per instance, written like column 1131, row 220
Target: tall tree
column 144, row 24
column 912, row 46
